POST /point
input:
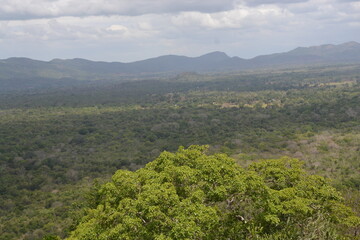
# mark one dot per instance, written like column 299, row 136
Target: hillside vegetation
column 55, row 142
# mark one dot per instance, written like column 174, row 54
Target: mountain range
column 22, row 70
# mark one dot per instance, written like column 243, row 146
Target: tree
column 190, row 195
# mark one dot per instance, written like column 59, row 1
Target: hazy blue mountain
column 325, row 54
column 18, row 73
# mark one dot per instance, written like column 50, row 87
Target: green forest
column 271, row 154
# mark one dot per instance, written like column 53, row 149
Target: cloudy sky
column 129, row 30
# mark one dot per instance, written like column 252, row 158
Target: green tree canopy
column 191, row 195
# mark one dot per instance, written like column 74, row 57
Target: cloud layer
column 129, row 30
column 30, row 9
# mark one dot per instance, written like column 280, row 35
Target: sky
column 130, row 30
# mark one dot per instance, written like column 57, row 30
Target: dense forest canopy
column 55, row 142
column 190, row 195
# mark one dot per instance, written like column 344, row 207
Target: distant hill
column 18, row 73
column 325, row 54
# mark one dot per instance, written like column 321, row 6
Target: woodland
column 270, row 154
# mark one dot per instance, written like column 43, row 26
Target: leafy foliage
column 190, row 195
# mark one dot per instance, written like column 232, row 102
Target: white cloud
column 240, row 17
column 78, row 28
column 116, row 28
column 101, row 29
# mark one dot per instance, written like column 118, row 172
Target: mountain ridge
column 26, row 70
column 350, row 44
